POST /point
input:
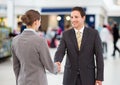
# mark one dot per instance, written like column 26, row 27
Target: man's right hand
column 59, row 66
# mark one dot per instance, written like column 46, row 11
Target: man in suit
column 82, row 67
column 30, row 54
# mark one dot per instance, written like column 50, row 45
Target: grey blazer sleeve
column 16, row 63
column 99, row 58
column 45, row 57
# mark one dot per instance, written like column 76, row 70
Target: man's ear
column 84, row 17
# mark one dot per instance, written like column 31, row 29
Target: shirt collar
column 29, row 29
column 81, row 30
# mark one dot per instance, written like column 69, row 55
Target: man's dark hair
column 80, row 9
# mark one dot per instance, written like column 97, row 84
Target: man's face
column 77, row 20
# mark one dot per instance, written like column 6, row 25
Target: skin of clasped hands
column 58, row 65
column 98, row 82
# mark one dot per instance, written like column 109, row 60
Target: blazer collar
column 28, row 32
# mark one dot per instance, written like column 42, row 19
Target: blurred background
column 102, row 15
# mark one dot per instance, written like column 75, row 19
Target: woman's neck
column 30, row 27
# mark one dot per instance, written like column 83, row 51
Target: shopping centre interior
column 55, row 17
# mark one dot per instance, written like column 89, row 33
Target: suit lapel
column 85, row 35
column 73, row 38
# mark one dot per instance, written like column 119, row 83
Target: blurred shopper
column 109, row 28
column 22, row 28
column 99, row 28
column 30, row 54
column 104, row 35
column 80, row 45
column 53, row 42
column 41, row 32
column 19, row 27
column 16, row 31
column 67, row 27
column 115, row 31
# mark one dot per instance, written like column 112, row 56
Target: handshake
column 58, row 66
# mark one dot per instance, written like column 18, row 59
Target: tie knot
column 78, row 33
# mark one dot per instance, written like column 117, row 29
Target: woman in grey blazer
column 30, row 54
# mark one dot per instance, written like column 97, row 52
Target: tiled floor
column 112, row 70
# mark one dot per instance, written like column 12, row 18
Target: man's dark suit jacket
column 90, row 67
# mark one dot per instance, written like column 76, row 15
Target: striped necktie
column 79, row 38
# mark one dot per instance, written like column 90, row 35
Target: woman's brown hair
column 30, row 16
